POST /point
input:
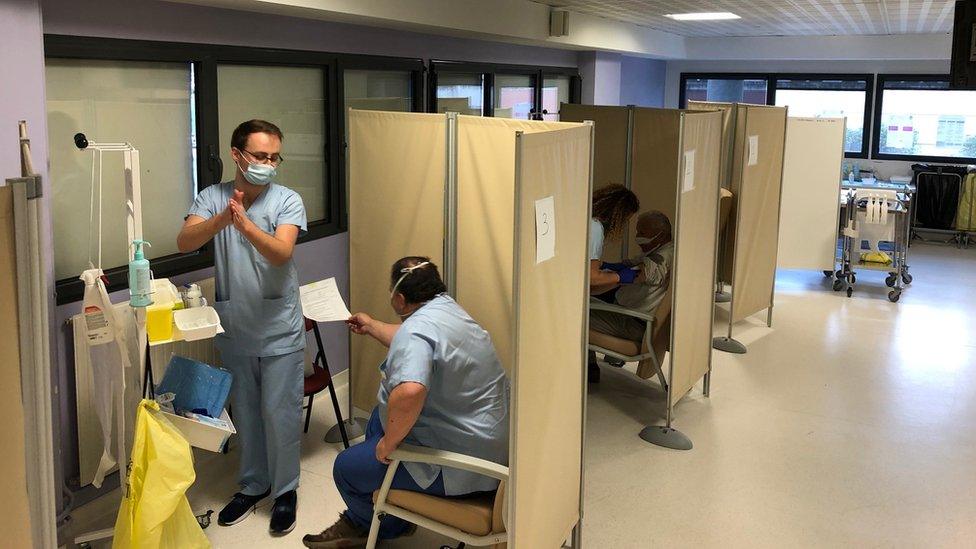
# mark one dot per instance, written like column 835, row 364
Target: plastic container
column 159, row 321
column 197, row 322
column 159, row 315
column 202, row 432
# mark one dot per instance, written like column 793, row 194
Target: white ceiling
column 777, row 17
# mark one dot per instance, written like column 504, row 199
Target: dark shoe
column 239, row 508
column 283, row 513
column 615, row 362
column 593, row 372
column 341, row 535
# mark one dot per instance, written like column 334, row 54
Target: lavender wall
column 642, row 81
column 22, row 98
column 154, row 20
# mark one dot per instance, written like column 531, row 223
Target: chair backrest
column 724, row 207
column 498, row 510
column 661, row 338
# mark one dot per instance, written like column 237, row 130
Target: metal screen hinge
column 33, row 183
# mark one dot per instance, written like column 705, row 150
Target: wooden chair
column 478, row 520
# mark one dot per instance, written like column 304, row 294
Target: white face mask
column 641, row 241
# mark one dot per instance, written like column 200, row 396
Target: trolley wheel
column 838, row 285
column 894, row 296
column 890, row 280
column 850, row 291
column 907, row 278
column 853, row 278
column 839, row 274
column 828, row 274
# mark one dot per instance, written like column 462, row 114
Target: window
column 178, row 103
column 378, row 90
column 459, row 92
column 514, row 96
column 555, row 92
column 509, row 91
column 831, row 97
column 247, row 91
column 147, row 104
column 920, row 118
column 730, row 89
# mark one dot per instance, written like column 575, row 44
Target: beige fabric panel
column 655, row 165
column 396, row 208
column 548, row 385
column 15, row 520
column 693, row 277
column 727, row 169
column 610, row 152
column 486, row 227
column 757, row 204
column 811, row 186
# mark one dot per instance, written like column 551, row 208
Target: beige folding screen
column 16, row 519
column 811, row 189
column 676, row 168
column 550, row 327
column 726, row 236
column 695, row 228
column 757, row 173
column 486, row 221
column 397, row 165
column 534, row 312
column 612, row 152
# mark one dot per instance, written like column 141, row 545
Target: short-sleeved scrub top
column 257, row 302
column 596, row 239
column 441, row 347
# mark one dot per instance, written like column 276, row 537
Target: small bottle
column 140, row 285
column 194, row 297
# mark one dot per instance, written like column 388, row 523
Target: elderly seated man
column 650, row 287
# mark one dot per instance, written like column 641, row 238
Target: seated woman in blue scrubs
column 442, row 386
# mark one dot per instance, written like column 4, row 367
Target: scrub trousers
column 358, row 474
column 266, row 394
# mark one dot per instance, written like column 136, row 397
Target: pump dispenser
column 140, row 286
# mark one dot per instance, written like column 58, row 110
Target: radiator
column 89, row 432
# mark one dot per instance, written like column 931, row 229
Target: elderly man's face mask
column 649, row 243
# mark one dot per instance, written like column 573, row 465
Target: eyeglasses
column 274, row 159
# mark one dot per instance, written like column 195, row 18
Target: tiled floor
column 849, row 424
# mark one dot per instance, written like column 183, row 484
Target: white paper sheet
column 545, row 229
column 753, row 150
column 322, row 302
column 688, row 181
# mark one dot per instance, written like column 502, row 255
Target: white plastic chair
column 477, row 521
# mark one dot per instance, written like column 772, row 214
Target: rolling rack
column 890, row 210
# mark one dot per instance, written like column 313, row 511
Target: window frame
column 772, row 77
column 205, row 58
column 869, row 83
column 376, row 63
column 878, row 107
column 488, row 72
column 686, row 76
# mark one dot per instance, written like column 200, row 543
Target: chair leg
column 338, row 413
column 374, row 531
column 308, row 411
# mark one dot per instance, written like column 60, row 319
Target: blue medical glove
column 627, row 276
column 612, row 266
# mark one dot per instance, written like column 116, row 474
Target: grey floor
column 848, row 424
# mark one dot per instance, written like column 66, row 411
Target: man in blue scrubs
column 442, row 387
column 254, row 223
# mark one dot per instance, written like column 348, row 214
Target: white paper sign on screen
column 545, row 229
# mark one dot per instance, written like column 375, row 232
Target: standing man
column 254, row 223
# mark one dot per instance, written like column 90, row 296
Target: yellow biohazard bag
column 155, row 512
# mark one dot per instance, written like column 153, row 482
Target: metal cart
column 895, row 220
